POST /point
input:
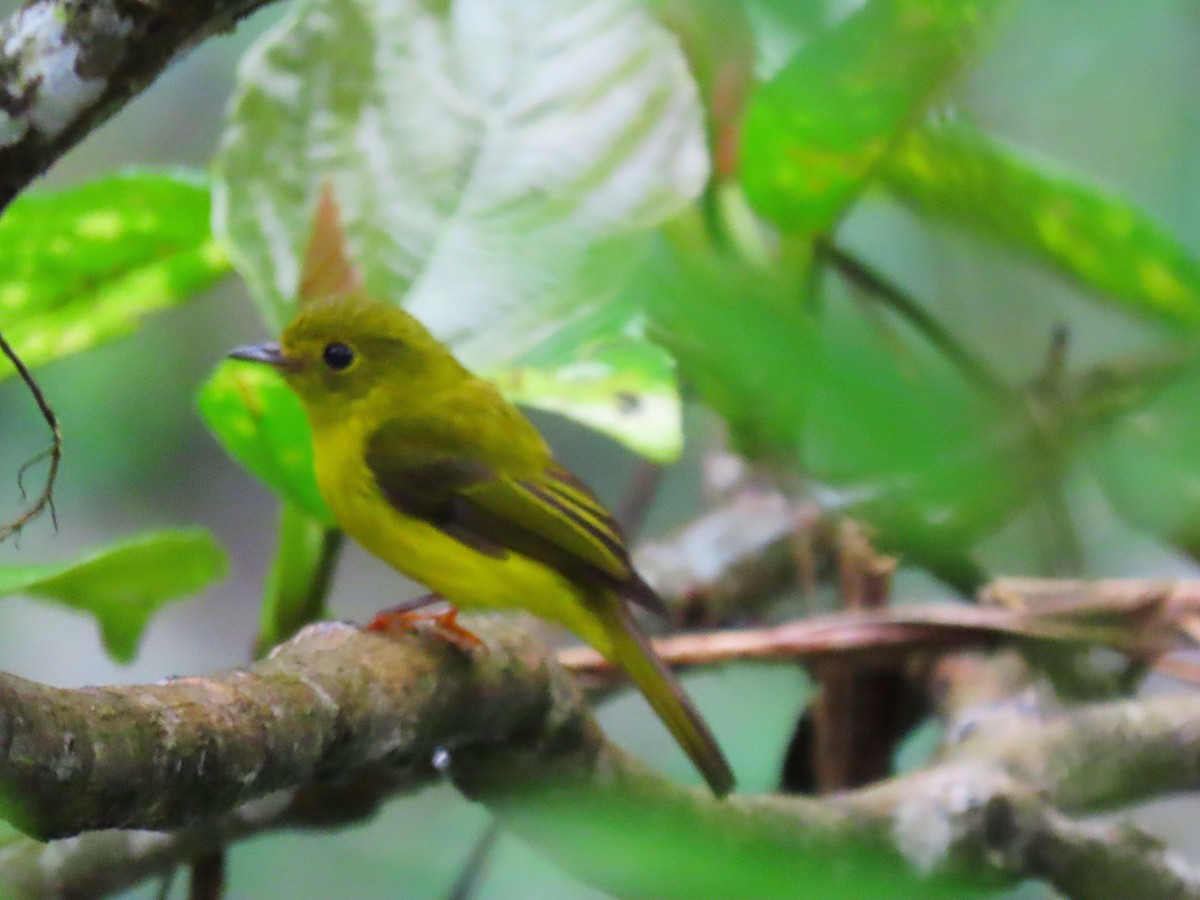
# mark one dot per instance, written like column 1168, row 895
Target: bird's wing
column 543, row 512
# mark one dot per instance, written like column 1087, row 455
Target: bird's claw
column 403, row 619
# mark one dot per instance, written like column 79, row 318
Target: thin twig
column 884, row 635
column 472, row 872
column 1062, row 548
column 165, row 884
column 45, row 499
column 874, row 283
column 638, row 497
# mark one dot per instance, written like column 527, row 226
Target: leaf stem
column 469, row 878
column 300, row 576
column 875, row 284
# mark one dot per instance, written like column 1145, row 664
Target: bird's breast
column 426, row 554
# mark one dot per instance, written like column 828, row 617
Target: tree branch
column 67, row 65
column 336, row 720
column 732, row 559
column 171, row 754
column 737, row 556
column 1086, row 861
column 868, row 638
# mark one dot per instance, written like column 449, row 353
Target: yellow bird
column 432, row 470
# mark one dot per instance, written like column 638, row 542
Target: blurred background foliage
column 940, row 271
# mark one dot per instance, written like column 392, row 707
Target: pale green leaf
column 619, row 384
column 124, row 584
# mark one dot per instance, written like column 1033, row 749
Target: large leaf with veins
column 498, row 163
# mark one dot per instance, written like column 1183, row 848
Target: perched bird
column 432, row 470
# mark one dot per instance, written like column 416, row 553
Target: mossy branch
column 337, row 720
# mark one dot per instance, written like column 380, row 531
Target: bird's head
column 343, row 353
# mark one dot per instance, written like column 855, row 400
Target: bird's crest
column 328, row 271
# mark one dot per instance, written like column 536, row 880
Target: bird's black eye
column 338, row 356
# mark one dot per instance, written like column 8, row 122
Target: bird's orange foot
column 444, row 624
column 404, row 616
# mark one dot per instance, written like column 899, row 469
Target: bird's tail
column 629, row 649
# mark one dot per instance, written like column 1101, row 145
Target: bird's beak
column 268, row 353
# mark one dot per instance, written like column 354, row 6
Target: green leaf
column 880, row 419
column 1148, row 464
column 262, row 425
column 499, row 176
column 953, row 172
column 739, row 341
column 621, row 385
column 912, row 447
column 604, row 372
column 82, row 266
column 124, row 584
column 820, row 127
column 299, row 580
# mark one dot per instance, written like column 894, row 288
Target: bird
column 430, row 468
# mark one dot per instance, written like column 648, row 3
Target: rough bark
column 338, row 720
column 67, row 65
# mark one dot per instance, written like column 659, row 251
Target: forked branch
column 337, row 720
